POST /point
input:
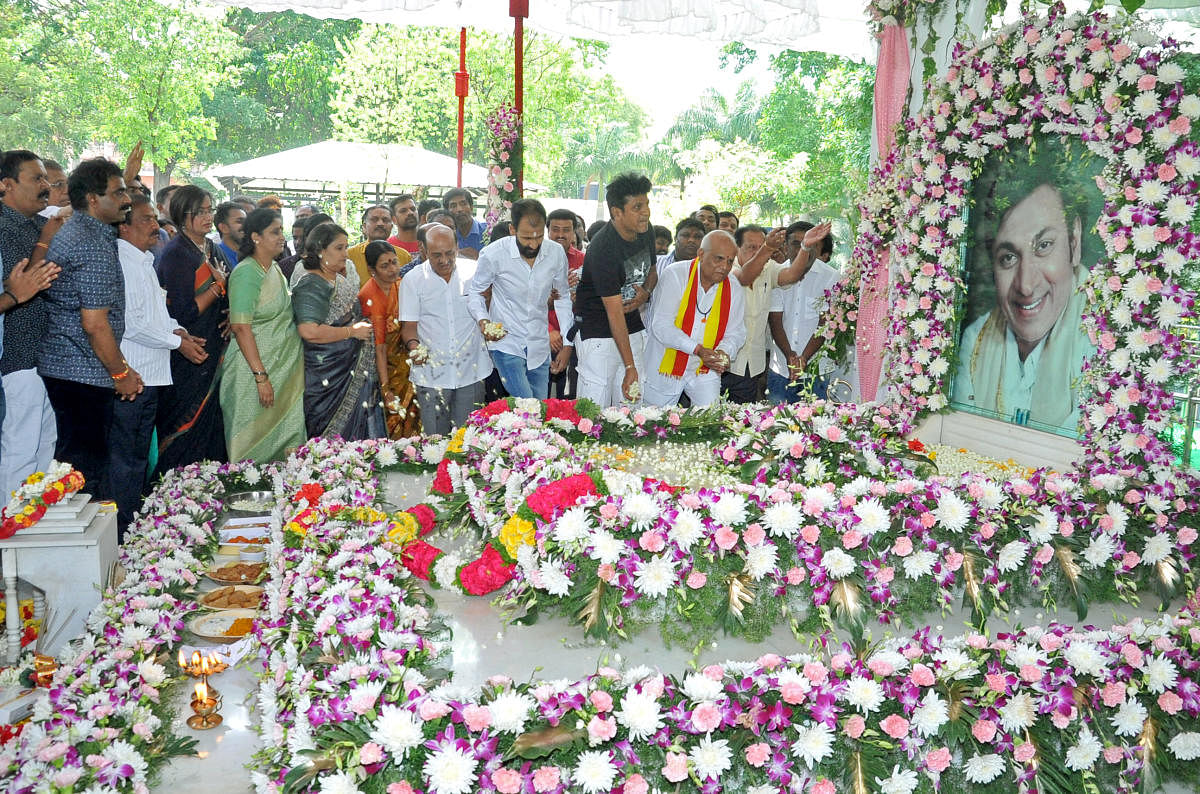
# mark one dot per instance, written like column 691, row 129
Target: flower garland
column 504, row 126
column 40, row 491
column 1115, row 86
column 879, row 210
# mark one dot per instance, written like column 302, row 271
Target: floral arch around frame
column 1112, row 85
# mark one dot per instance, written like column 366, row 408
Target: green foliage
column 278, row 86
column 395, row 85
column 821, row 106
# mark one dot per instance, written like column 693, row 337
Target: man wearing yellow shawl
column 1019, row 360
column 697, row 325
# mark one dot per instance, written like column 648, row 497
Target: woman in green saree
column 262, row 377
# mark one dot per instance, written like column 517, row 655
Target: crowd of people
column 140, row 334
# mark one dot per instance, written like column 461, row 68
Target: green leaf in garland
column 540, row 744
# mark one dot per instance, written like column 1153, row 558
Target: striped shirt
column 149, row 331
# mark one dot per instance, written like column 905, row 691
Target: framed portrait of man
column 1030, row 245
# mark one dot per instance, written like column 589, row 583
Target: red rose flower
column 441, row 480
column 8, row 528
column 494, row 408
column 560, row 494
column 915, row 445
column 419, row 557
column 51, row 496
column 425, row 516
column 487, row 574
column 562, row 409
column 311, row 491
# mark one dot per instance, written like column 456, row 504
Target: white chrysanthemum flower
column 1179, row 210
column 952, row 512
column 686, row 529
column 450, row 771
column 656, row 577
column 729, row 509
column 1185, row 746
column 1158, row 548
column 1045, row 526
column 1011, row 556
column 640, row 715
column 983, row 768
column 1129, row 717
column 955, row 664
column 1189, row 106
column 864, row 694
column 606, row 548
column 814, row 743
column 641, row 509
column 1152, row 191
column 573, row 526
column 837, row 563
column 919, row 563
column 122, row 753
column 1023, row 653
column 786, row 440
column 814, row 470
column 1143, row 240
column 1145, row 103
column 710, row 758
column 931, row 715
column 1084, row 753
column 761, row 560
column 1100, row 551
column 397, row 730
column 594, row 771
column 1161, row 674
column 783, row 519
column 151, row 672
column 701, row 688
column 1018, row 713
column 873, row 516
column 1168, row 313
column 1170, row 73
column 1085, row 658
column 554, row 580
column 510, row 710
column 339, row 783
column 901, row 781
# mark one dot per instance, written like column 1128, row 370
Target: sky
column 666, row 76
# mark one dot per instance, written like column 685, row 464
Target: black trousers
column 83, row 414
column 742, row 388
column 129, row 435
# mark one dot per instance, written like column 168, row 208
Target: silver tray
column 264, row 503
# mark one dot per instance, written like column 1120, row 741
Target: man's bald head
column 441, row 248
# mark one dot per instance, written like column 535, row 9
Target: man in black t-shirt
column 618, row 276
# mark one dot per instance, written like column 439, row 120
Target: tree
column 145, row 67
column 395, row 85
column 821, row 106
column 276, row 92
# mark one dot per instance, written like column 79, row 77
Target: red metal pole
column 462, row 82
column 518, row 10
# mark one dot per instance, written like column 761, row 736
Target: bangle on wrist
column 40, row 244
column 120, row 376
column 14, row 297
column 412, row 344
column 629, row 367
column 258, row 372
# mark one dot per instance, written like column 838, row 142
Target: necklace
column 704, row 312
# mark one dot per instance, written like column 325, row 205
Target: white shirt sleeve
column 483, row 278
column 662, row 317
column 735, row 329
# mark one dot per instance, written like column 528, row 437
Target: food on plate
column 238, row 572
column 240, row 627
column 231, row 598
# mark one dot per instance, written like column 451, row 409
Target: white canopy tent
column 836, row 26
column 329, row 166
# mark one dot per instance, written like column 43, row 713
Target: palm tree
column 597, row 154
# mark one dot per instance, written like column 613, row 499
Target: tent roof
column 837, row 26
column 326, row 166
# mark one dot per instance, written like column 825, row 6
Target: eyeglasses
column 204, row 212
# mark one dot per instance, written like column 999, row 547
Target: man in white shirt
column 697, row 326
column 446, row 349
column 521, row 273
column 759, row 273
column 796, row 314
column 150, row 336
